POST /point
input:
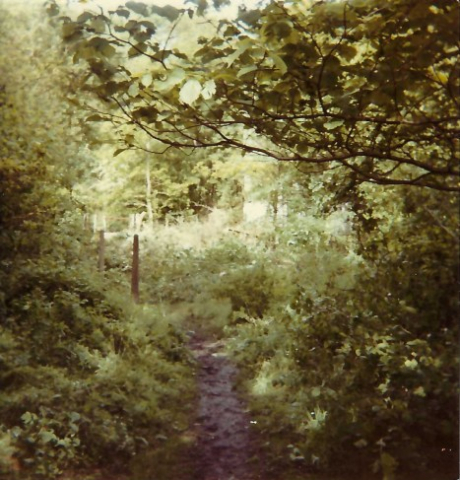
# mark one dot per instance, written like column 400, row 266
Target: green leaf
column 118, row 151
column 147, row 79
column 110, row 88
column 246, row 70
column 411, row 364
column 209, row 89
column 138, row 7
column 168, row 11
column 28, row 417
column 47, row 436
column 389, row 464
column 69, row 30
column 279, row 63
column 108, row 51
column 98, row 24
column 420, row 392
column 84, row 17
column 219, row 3
column 333, row 124
column 138, row 49
column 132, row 26
column 74, row 416
column 303, row 147
column 133, row 90
column 148, row 26
column 242, row 47
column 316, row 392
column 190, row 91
column 102, row 45
column 129, row 139
column 96, row 118
column 250, row 17
column 347, row 51
column 174, row 77
column 202, row 6
column 122, row 12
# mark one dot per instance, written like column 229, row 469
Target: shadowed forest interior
column 289, row 174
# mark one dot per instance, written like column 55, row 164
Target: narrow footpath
column 226, row 447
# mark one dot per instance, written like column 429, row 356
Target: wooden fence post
column 101, row 251
column 135, row 270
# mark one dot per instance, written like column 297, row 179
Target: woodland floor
column 226, row 445
column 222, row 442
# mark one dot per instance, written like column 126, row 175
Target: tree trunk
column 135, row 270
column 148, row 193
column 101, row 260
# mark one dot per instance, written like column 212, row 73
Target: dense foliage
column 86, row 379
column 365, row 85
column 340, row 303
column 347, row 350
column 362, row 361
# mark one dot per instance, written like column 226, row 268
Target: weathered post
column 101, row 251
column 135, row 270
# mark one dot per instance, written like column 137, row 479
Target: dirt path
column 226, row 447
column 222, row 443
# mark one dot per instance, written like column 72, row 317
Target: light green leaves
column 174, row 77
column 209, row 89
column 147, row 80
column 411, row 364
column 74, row 416
column 47, row 436
column 138, row 7
column 98, row 24
column 69, row 30
column 420, row 391
column 242, row 47
column 279, row 63
column 29, row 417
column 168, row 11
column 315, row 420
column 133, row 90
column 296, row 61
column 333, row 124
column 190, row 91
column 246, row 70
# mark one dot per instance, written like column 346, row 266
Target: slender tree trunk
column 135, row 270
column 276, row 197
column 148, row 193
column 101, row 251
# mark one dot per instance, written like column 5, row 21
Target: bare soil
column 226, row 445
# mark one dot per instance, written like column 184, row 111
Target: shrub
column 85, row 376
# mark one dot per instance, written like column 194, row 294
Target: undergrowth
column 339, row 359
column 88, row 378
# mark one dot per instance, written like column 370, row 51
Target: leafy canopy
column 369, row 86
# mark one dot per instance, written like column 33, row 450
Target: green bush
column 85, row 373
column 360, row 361
column 338, row 385
column 249, row 289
